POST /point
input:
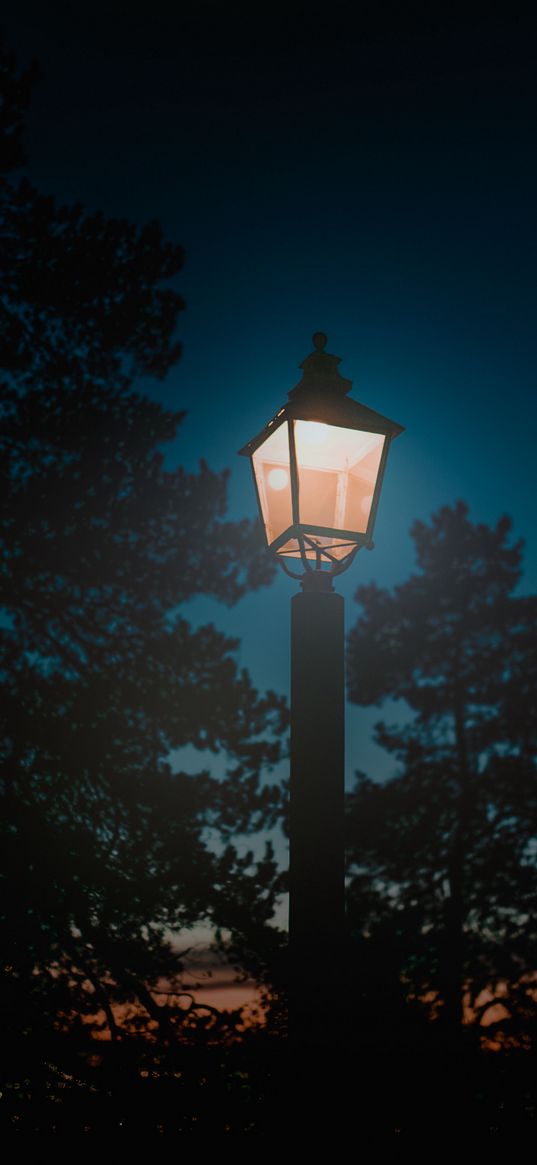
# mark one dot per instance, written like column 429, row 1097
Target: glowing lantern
column 318, row 467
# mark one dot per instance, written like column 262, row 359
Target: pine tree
column 107, row 856
column 444, row 855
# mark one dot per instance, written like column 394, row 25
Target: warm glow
column 278, row 479
column 271, row 467
column 332, row 447
column 337, row 472
column 313, row 432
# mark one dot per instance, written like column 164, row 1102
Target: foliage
column 443, row 857
column 108, row 852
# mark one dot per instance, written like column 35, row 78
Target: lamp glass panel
column 337, row 473
column 273, row 477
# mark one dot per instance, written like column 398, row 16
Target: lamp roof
column 321, row 395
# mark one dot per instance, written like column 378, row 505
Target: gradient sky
column 358, row 169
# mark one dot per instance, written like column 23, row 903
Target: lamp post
column 318, row 467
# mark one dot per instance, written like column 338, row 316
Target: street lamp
column 318, row 467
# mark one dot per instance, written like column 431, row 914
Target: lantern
column 318, row 467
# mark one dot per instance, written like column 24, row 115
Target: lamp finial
column 320, row 375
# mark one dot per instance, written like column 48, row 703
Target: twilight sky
column 364, row 169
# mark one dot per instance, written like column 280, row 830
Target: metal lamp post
column 318, row 467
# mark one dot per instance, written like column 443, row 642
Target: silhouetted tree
column 443, row 857
column 108, row 853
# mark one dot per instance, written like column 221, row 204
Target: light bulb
column 278, row 479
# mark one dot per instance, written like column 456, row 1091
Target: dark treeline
column 110, row 856
column 442, row 858
column 106, row 860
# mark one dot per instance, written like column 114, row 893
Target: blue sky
column 372, row 179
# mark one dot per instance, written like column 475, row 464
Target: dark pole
column 316, row 866
column 340, row 486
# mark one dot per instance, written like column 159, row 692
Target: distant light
column 278, row 479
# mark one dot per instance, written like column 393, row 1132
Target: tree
column 444, row 855
column 108, row 853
